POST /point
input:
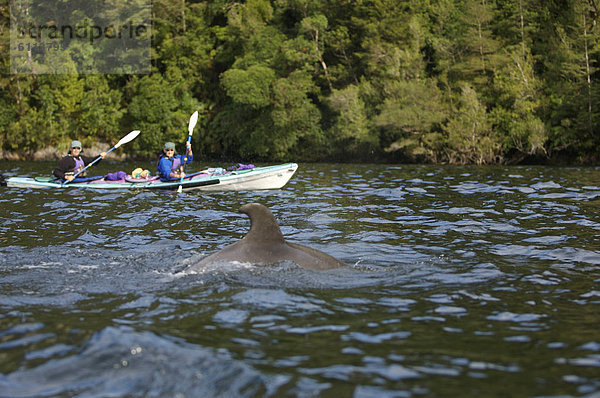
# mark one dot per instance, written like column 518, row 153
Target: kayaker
column 74, row 161
column 170, row 164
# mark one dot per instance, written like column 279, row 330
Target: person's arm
column 190, row 155
column 89, row 159
column 176, row 175
column 65, row 168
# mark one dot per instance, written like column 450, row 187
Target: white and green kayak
column 257, row 178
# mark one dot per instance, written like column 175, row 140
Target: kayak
column 257, row 178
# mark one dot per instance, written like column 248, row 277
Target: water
column 462, row 281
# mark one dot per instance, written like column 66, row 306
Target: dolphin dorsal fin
column 263, row 225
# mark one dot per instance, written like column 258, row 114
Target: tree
column 99, row 111
column 252, row 87
column 295, row 117
column 568, row 53
column 350, row 130
column 470, row 135
column 517, row 93
column 315, row 26
column 160, row 108
column 414, row 114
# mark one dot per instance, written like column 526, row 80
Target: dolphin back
column 264, row 244
column 310, row 258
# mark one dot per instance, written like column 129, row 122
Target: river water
column 462, row 281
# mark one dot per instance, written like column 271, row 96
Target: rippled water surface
column 462, row 281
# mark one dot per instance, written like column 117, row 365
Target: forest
column 426, row 81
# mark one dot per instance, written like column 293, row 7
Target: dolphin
column 265, row 244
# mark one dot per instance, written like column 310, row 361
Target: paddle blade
column 193, row 121
column 128, row 137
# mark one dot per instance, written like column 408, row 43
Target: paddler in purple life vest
column 170, row 164
column 74, row 161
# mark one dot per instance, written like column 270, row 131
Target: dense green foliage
column 458, row 81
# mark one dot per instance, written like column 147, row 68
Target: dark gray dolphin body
column 265, row 244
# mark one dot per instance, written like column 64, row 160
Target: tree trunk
column 589, row 77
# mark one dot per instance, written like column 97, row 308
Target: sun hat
column 169, row 145
column 76, row 144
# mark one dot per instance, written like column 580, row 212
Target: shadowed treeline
column 453, row 81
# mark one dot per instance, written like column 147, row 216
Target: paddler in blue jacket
column 170, row 165
column 73, row 162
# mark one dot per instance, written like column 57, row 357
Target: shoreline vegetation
column 394, row 81
column 53, row 154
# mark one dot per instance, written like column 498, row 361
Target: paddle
column 124, row 140
column 191, row 125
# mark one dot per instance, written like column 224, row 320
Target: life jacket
column 79, row 165
column 175, row 163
